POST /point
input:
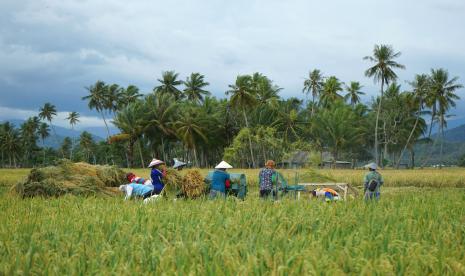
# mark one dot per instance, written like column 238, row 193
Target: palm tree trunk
column 131, row 153
column 442, row 143
column 433, row 114
column 108, row 136
column 250, row 139
column 409, row 137
column 163, row 148
column 56, row 138
column 376, row 126
column 43, row 149
column 412, row 158
column 140, row 154
column 195, row 157
column 72, row 145
column 385, row 154
column 313, row 104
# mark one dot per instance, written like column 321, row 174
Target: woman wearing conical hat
column 157, row 174
column 220, row 180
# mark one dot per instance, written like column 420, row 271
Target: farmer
column 266, row 179
column 372, row 182
column 220, row 180
column 132, row 178
column 327, row 194
column 178, row 165
column 137, row 190
column 157, row 173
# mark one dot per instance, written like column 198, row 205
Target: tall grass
column 420, row 232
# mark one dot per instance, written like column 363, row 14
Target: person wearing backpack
column 373, row 181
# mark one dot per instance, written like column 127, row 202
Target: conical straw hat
column 223, row 165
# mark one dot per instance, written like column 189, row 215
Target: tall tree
column 421, row 86
column 129, row 95
column 338, row 128
column 443, row 88
column 162, row 111
column 194, row 90
column 382, row 71
column 87, row 144
column 130, row 121
column 313, row 84
column 329, row 93
column 190, row 131
column 44, row 132
column 73, row 119
column 96, row 100
column 266, row 92
column 243, row 97
column 112, row 98
column 47, row 112
column 168, row 85
column 353, row 93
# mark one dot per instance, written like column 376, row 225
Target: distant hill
column 453, row 148
column 456, row 134
column 63, row 132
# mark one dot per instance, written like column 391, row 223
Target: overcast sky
column 51, row 49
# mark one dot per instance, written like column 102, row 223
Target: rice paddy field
column 417, row 228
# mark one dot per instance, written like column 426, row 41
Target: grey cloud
column 51, row 49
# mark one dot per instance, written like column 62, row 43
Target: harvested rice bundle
column 70, row 178
column 173, row 180
column 193, row 184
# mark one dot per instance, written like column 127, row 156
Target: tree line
column 180, row 118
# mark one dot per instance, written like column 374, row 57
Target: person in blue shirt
column 157, row 175
column 220, row 180
column 137, row 190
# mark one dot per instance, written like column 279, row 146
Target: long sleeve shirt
column 137, row 190
column 373, row 175
column 220, row 180
column 157, row 182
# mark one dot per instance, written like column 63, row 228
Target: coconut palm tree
column 129, row 95
column 190, row 130
column 353, row 93
column 73, row 119
column 329, row 92
column 86, row 142
column 382, row 71
column 421, row 86
column 169, row 83
column 443, row 93
column 313, row 84
column 243, row 97
column 441, row 89
column 265, row 91
column 47, row 112
column 44, row 132
column 96, row 100
column 130, row 121
column 162, row 111
column 194, row 90
column 112, row 96
column 337, row 127
column 11, row 143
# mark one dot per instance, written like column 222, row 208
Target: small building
column 329, row 164
column 298, row 159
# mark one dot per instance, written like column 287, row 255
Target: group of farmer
column 149, row 189
column 268, row 183
column 145, row 188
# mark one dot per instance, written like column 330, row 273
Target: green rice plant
column 410, row 231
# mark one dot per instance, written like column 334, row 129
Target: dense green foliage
column 180, row 119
